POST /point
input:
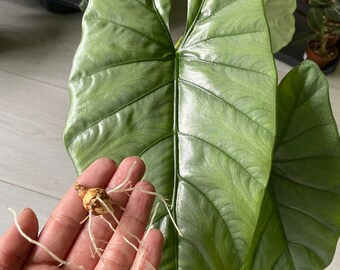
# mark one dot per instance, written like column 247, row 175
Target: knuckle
column 117, row 259
column 64, row 221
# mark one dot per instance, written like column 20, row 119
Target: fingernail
column 22, row 211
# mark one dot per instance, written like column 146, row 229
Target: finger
column 81, row 250
column 63, row 225
column 40, row 267
column 119, row 252
column 131, row 170
column 150, row 253
column 14, row 249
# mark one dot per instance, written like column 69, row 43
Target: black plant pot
column 61, row 6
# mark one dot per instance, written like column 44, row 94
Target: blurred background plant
column 323, row 18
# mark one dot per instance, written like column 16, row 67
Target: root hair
column 49, row 252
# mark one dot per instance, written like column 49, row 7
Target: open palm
column 69, row 240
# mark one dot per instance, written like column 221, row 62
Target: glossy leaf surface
column 300, row 224
column 201, row 117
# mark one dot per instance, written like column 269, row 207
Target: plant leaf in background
column 202, row 117
column 300, row 222
column 281, row 21
column 334, row 12
column 315, row 17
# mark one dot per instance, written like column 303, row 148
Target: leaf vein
column 225, row 153
column 130, row 29
column 224, row 101
column 302, row 184
column 226, row 65
column 278, row 258
column 302, row 133
column 218, row 212
column 163, row 26
column 221, row 36
column 261, row 236
column 193, row 23
column 307, row 214
column 295, row 106
column 195, row 247
column 306, row 247
column 216, row 11
column 304, row 158
column 117, row 110
column 155, row 143
column 122, row 64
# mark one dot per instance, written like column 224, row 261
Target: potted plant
column 324, row 20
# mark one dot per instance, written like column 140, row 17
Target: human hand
column 69, row 240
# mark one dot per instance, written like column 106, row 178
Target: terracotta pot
column 332, row 40
column 321, row 61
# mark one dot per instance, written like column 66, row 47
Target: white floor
column 36, row 51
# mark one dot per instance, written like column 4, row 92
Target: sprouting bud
column 90, row 199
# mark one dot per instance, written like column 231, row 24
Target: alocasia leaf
column 202, row 117
column 281, row 21
column 300, row 222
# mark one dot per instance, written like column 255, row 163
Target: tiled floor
column 36, row 51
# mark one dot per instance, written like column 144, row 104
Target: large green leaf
column 201, row 117
column 300, row 216
column 279, row 13
column 281, row 21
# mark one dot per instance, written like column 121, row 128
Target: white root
column 126, row 190
column 127, row 179
column 49, row 252
column 144, row 237
column 157, row 195
column 96, row 250
column 114, row 230
column 117, row 221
